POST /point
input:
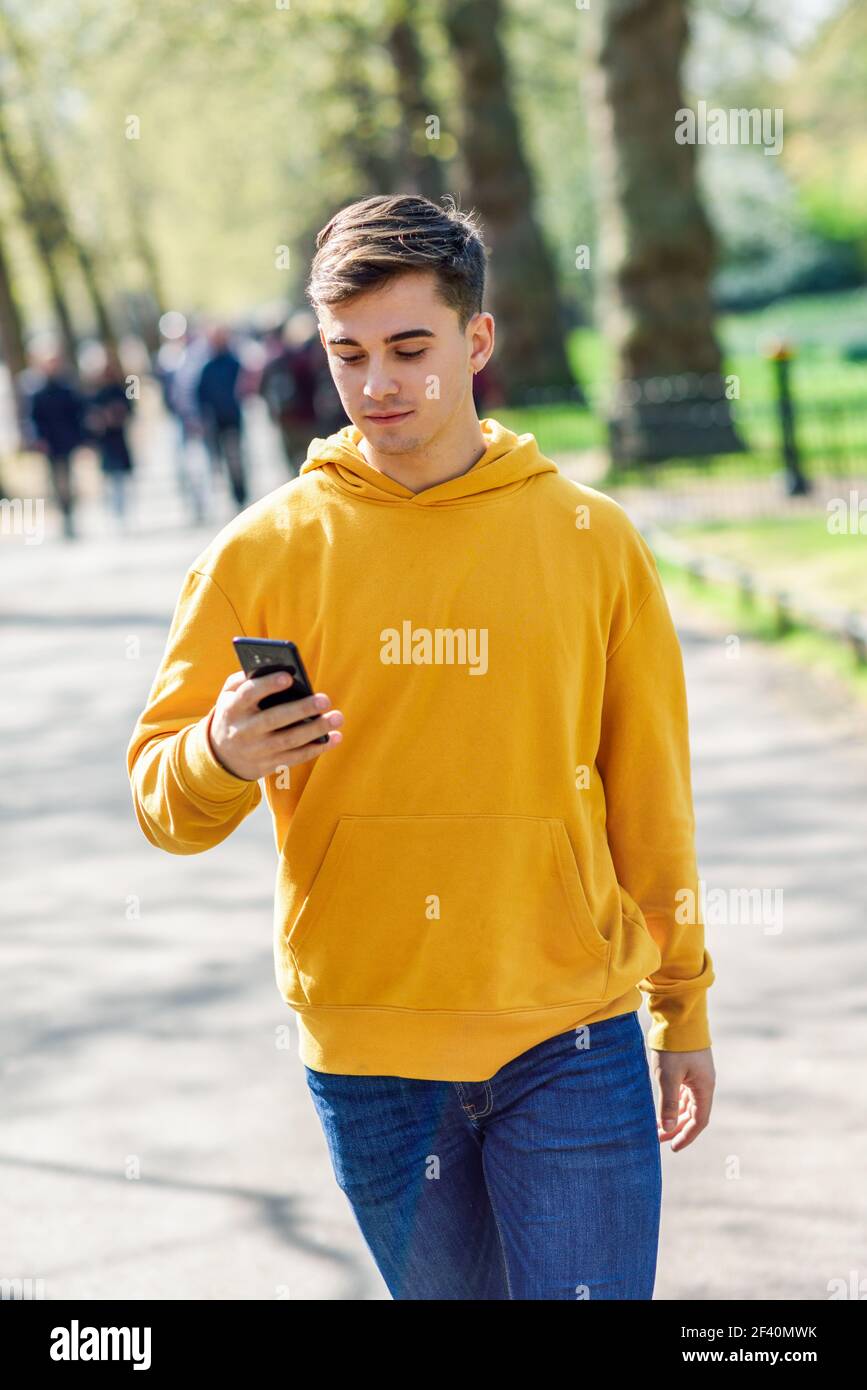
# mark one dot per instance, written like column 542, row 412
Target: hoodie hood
column 509, row 459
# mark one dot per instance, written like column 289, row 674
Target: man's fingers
column 669, row 1103
column 284, row 733
column 312, row 750
column 692, row 1118
column 306, row 752
column 697, row 1121
column 684, row 1114
column 284, row 715
column 296, row 735
column 252, row 689
column 684, row 1135
column 685, row 1084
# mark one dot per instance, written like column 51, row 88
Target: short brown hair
column 369, row 242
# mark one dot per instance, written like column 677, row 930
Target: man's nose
column 379, row 382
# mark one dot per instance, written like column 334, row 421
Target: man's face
column 402, row 366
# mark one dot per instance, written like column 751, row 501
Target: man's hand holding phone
column 252, row 742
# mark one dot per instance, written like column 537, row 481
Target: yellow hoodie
column 502, row 847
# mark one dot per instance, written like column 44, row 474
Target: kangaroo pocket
column 472, row 913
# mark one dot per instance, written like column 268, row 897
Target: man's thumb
column 668, row 1107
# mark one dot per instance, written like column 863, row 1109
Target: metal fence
column 829, row 460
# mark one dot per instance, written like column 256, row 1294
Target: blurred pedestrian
column 219, row 405
column 288, row 385
column 54, row 424
column 178, row 368
column 107, row 414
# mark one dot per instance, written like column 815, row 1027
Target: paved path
column 157, row 1137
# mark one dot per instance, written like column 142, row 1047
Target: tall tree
column 531, row 349
column 422, row 173
column 351, row 133
column 40, row 218
column 48, row 187
column 152, row 303
column 655, row 241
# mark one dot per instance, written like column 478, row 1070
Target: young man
column 479, row 880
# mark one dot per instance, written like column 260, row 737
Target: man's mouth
column 386, row 418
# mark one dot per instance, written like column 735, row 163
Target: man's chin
column 392, row 439
column 410, row 444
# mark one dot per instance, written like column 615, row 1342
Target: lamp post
column 780, row 353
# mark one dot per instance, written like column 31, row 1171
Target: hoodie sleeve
column 644, row 761
column 185, row 801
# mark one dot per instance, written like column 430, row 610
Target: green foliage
column 828, row 148
column 256, row 122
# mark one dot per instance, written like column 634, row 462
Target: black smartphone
column 261, row 656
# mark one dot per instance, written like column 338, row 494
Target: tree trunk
column 361, row 143
column 48, row 205
column 656, row 244
column 11, row 340
column 104, row 326
column 39, row 213
column 50, row 190
column 11, row 328
column 422, row 172
column 531, row 349
column 151, row 306
column 40, row 218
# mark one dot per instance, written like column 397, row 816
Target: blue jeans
column 544, row 1182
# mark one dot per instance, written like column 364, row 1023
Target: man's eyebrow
column 395, row 337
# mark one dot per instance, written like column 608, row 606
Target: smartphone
column 261, row 656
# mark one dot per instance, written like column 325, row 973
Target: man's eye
column 357, row 358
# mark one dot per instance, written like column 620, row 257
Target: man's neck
column 455, row 450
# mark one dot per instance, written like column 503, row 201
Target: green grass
column 558, row 429
column 815, row 323
column 797, row 554
column 809, row 649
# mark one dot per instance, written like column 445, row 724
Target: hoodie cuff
column 680, row 1023
column 202, row 772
